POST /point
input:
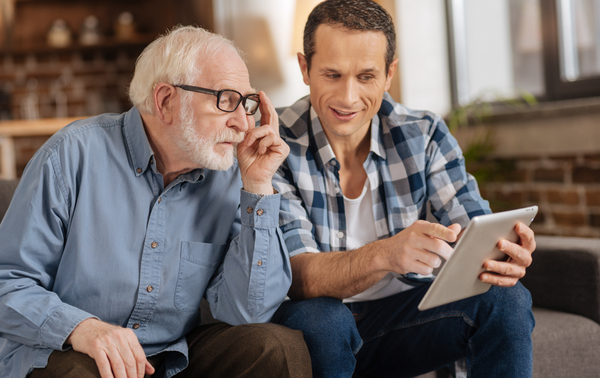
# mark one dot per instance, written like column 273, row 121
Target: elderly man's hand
column 263, row 151
column 116, row 350
column 507, row 273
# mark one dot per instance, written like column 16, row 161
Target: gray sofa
column 564, row 281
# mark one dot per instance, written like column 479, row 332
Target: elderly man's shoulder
column 87, row 132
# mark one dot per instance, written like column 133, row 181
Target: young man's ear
column 304, row 68
column 390, row 74
column 164, row 102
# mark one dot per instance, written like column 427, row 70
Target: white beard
column 200, row 148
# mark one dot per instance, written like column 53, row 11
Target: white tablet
column 459, row 277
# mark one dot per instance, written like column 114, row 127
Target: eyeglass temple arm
column 197, row 89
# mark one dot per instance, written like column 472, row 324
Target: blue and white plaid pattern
column 413, row 160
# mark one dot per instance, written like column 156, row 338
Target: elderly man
column 122, row 223
column 355, row 188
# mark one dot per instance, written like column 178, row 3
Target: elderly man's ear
column 165, row 102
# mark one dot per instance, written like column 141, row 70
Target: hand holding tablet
column 459, row 278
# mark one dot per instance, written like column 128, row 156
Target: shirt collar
column 137, row 142
column 377, row 146
column 323, row 151
column 142, row 156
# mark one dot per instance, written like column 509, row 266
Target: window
column 506, row 48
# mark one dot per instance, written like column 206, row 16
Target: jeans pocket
column 198, row 262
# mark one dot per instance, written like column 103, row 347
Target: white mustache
column 230, row 136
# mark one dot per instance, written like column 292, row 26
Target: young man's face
column 347, row 79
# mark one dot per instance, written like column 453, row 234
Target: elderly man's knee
column 68, row 364
column 280, row 349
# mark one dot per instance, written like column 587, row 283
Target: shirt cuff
column 58, row 327
column 260, row 211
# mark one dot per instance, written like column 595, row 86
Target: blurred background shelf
column 9, row 130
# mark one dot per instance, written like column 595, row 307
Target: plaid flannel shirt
column 413, row 161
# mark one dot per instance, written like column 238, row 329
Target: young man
column 122, row 223
column 355, row 188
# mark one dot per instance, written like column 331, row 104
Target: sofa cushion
column 565, row 345
column 565, row 275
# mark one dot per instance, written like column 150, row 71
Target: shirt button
column 159, row 199
column 259, row 212
column 337, row 189
column 136, row 326
column 154, row 245
column 340, row 234
column 249, row 210
column 149, row 288
column 259, row 263
column 139, row 170
column 151, row 161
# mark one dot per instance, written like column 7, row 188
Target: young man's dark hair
column 360, row 15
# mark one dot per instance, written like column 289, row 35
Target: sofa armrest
column 565, row 275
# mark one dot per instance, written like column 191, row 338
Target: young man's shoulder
column 395, row 114
column 293, row 120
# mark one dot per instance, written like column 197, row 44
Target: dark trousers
column 215, row 350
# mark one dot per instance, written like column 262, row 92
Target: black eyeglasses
column 227, row 99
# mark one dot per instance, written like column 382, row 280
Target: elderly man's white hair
column 173, row 58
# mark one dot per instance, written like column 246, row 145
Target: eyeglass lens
column 229, row 101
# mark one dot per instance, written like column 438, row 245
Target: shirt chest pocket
column 405, row 215
column 197, row 264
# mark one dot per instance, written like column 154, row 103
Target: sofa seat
column 562, row 345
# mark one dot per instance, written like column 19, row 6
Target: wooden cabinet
column 55, row 85
column 41, row 81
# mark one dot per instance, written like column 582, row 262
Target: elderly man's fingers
column 256, row 134
column 103, row 365
column 268, row 114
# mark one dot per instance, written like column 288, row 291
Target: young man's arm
column 345, row 274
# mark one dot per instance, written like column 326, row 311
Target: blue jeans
column 390, row 337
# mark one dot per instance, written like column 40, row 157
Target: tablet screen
column 459, row 277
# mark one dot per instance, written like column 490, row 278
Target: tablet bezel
column 459, row 277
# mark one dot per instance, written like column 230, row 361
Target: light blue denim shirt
column 91, row 232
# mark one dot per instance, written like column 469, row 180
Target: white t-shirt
column 360, row 231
